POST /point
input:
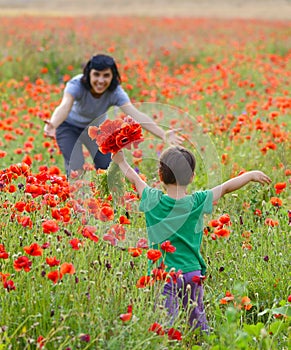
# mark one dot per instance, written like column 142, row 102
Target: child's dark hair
column 101, row 62
column 177, row 166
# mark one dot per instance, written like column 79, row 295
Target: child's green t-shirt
column 179, row 221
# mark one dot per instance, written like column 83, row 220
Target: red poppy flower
column 65, row 213
column 22, row 263
column 3, row 277
column 174, row 334
column 126, row 317
column 9, row 285
column 52, row 261
column 34, row 250
column 19, row 206
column 271, row 222
column 258, row 212
column 113, row 135
column 124, row 220
column 12, row 188
column 50, row 200
column 142, row 243
column 222, row 232
column 3, row 253
column 214, row 223
column 54, row 276
column 228, row 297
column 109, row 145
column 105, row 129
column 110, row 238
column 157, row 328
column 31, row 207
column 154, row 254
column 279, row 187
column 16, row 169
column 2, row 154
column 50, row 226
column 40, row 341
column 27, row 159
column 130, row 133
column 159, row 274
column 35, row 190
column 173, row 276
column 276, row 202
column 225, row 219
column 106, row 213
column 45, row 245
column 117, row 231
column 245, row 303
column 144, row 281
column 167, row 247
column 198, row 279
column 76, row 243
column 137, row 153
column 67, row 268
column 135, row 252
column 25, row 221
column 56, row 214
column 89, row 232
column 25, row 168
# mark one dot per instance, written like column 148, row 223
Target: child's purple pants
column 179, row 290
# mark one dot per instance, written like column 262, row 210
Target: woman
column 86, row 99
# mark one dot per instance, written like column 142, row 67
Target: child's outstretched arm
column 129, row 172
column 238, row 182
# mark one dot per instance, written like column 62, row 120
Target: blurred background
column 265, row 9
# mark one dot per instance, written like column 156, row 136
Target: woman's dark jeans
column 70, row 140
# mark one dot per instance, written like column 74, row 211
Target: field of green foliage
column 71, row 276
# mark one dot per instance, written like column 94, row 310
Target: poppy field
column 73, row 253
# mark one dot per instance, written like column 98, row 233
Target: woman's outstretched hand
column 173, row 138
column 49, row 129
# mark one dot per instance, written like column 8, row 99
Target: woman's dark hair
column 101, row 62
column 177, row 166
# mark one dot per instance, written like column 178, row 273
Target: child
column 178, row 217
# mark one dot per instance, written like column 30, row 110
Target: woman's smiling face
column 100, row 80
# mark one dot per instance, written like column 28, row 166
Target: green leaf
column 275, row 326
column 231, row 314
column 254, row 329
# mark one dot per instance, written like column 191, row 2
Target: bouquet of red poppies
column 113, row 135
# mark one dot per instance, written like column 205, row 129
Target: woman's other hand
column 49, row 129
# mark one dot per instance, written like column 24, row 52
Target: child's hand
column 259, row 176
column 118, row 157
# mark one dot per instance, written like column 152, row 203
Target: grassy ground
column 265, row 9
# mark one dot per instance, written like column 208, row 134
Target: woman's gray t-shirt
column 88, row 109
